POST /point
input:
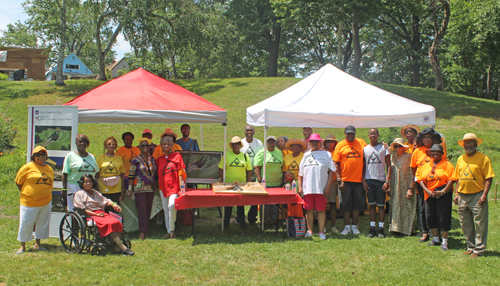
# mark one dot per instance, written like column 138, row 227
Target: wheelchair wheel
column 127, row 243
column 72, row 232
column 98, row 250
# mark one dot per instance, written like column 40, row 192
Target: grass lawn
column 249, row 256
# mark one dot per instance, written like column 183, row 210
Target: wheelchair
column 78, row 233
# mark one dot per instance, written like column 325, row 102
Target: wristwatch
column 338, row 180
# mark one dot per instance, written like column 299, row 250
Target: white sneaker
column 346, row 231
column 335, row 230
column 355, row 231
column 322, row 236
column 308, row 234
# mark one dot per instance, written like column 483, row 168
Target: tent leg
column 223, row 215
column 201, row 136
column 264, row 174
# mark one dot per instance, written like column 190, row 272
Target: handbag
column 295, row 226
column 111, row 181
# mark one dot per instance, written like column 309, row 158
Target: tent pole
column 201, row 135
column 224, row 170
column 264, row 173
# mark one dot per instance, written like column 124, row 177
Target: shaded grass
column 251, row 256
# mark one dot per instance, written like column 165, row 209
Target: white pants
column 72, row 189
column 28, row 216
column 168, row 204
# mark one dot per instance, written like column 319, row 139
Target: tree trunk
column 60, row 59
column 348, row 53
column 339, row 44
column 357, row 46
column 273, row 42
column 489, row 80
column 416, row 46
column 174, row 70
column 434, row 60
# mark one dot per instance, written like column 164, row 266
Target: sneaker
column 308, row 234
column 433, row 243
column 346, row 231
column 355, row 231
column 335, row 230
column 444, row 246
column 372, row 232
column 381, row 233
column 322, row 235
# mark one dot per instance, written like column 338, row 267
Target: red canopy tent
column 142, row 97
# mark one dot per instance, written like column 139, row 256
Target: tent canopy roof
column 334, row 99
column 142, row 97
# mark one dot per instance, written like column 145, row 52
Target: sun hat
column 39, row 149
column 330, row 137
column 168, row 131
column 435, row 147
column 271, row 137
column 296, row 141
column 403, row 129
column 470, row 136
column 236, row 139
column 147, row 131
column 315, row 137
column 398, row 141
column 350, row 129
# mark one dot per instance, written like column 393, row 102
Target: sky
column 12, row 11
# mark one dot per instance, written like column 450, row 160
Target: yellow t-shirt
column 158, row 151
column 37, row 182
column 292, row 164
column 127, row 155
column 110, row 167
column 411, row 147
column 285, row 152
column 472, row 173
column 236, row 166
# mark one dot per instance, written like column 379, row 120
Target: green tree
column 18, row 35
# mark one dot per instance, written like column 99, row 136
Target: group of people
column 413, row 171
column 94, row 183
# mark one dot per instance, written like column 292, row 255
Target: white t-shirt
column 251, row 149
column 375, row 162
column 314, row 171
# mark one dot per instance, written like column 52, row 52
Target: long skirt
column 106, row 224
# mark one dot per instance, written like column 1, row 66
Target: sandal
column 424, row 238
column 21, row 251
column 172, row 235
column 36, row 247
column 127, row 252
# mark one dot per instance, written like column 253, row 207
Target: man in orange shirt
column 348, row 157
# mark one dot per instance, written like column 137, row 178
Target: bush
column 4, row 76
column 7, row 134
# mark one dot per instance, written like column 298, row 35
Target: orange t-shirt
column 127, row 155
column 350, row 158
column 158, row 151
column 419, row 158
column 443, row 173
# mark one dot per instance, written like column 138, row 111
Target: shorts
column 375, row 193
column 353, row 197
column 315, row 202
column 438, row 211
column 334, row 190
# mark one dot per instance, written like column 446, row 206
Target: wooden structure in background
column 32, row 61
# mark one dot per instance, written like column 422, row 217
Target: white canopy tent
column 332, row 98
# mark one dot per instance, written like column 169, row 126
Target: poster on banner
column 54, row 127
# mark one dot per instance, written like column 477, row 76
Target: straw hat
column 403, row 129
column 168, row 131
column 435, row 147
column 315, row 137
column 470, row 136
column 330, row 137
column 290, row 142
column 236, row 139
column 398, row 141
column 39, row 149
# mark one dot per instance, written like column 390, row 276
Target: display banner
column 55, row 128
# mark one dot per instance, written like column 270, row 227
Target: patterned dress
column 402, row 210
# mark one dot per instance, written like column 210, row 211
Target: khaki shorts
column 334, row 190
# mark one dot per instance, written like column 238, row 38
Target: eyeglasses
column 144, row 145
column 397, row 146
column 40, row 154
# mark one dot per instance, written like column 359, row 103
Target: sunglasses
column 144, row 145
column 397, row 146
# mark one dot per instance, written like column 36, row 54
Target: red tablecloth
column 206, row 198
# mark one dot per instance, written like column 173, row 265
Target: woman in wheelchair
column 93, row 202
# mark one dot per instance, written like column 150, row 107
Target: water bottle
column 287, row 187
column 263, row 183
column 294, row 186
column 183, row 188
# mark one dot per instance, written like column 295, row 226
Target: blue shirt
column 185, row 145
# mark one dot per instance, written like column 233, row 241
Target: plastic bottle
column 263, row 183
column 183, row 188
column 294, row 186
column 287, row 187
